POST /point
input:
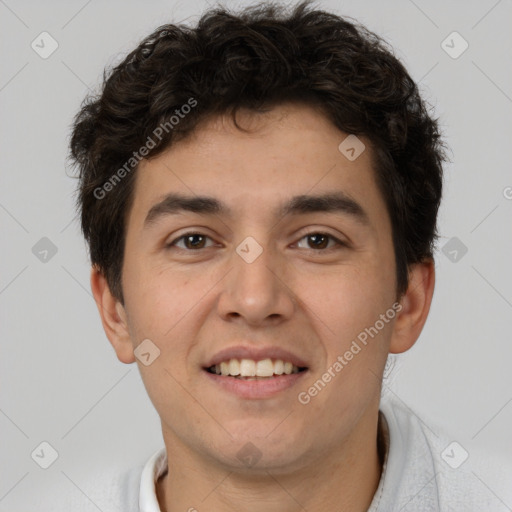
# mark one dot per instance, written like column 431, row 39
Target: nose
column 257, row 292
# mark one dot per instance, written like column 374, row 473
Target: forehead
column 292, row 150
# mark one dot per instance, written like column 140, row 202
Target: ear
column 415, row 307
column 113, row 317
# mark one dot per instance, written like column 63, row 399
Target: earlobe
column 113, row 317
column 415, row 307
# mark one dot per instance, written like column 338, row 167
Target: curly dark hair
column 257, row 58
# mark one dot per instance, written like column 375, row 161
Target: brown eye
column 191, row 241
column 320, row 241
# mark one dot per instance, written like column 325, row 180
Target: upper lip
column 256, row 354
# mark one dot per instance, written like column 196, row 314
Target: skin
column 319, row 456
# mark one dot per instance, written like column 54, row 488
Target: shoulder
column 430, row 470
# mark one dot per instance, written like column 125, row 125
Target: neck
column 342, row 479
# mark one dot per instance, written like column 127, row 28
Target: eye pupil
column 190, row 238
column 316, row 237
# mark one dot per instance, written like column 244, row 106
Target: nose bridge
column 254, row 289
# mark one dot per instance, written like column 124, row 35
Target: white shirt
column 153, row 470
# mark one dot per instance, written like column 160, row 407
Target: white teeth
column 249, row 368
column 234, row 367
column 278, row 367
column 265, row 368
column 224, row 368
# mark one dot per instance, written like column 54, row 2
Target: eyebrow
column 334, row 202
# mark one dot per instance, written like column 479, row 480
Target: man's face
column 305, row 293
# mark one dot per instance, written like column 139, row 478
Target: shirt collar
column 155, row 467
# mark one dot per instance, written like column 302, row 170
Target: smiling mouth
column 248, row 369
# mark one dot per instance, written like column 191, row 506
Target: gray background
column 61, row 380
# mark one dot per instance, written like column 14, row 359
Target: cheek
column 163, row 307
column 345, row 311
column 169, row 307
column 344, row 302
column 346, row 307
column 158, row 300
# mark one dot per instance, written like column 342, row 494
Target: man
column 259, row 194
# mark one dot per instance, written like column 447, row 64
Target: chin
column 261, row 452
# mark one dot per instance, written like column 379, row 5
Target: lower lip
column 260, row 388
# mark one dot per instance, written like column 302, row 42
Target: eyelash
column 339, row 243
